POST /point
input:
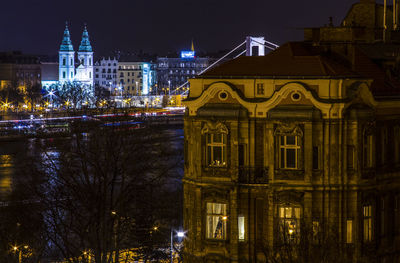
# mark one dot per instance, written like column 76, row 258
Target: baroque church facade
column 72, row 70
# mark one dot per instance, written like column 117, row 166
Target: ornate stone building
column 300, row 147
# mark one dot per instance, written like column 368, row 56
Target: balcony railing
column 253, row 175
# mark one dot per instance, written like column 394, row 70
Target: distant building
column 105, row 73
column 21, row 72
column 364, row 23
column 174, row 72
column 50, row 71
column 135, row 78
column 67, row 70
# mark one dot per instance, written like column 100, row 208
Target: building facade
column 290, row 156
column 20, row 73
column 83, row 71
column 135, row 78
column 174, row 72
column 106, row 73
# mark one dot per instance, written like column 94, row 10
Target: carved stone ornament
column 289, row 197
column 212, row 127
column 288, row 129
column 369, row 128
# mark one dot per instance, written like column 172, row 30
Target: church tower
column 84, row 72
column 66, row 58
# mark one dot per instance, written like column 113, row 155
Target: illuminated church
column 83, row 72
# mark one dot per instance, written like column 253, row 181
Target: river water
column 14, row 157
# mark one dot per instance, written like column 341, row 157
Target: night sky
column 159, row 26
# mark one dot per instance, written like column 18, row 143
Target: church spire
column 85, row 43
column 66, row 44
column 192, row 45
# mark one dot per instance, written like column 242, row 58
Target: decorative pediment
column 288, row 129
column 214, row 127
column 289, row 197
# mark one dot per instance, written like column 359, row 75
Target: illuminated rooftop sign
column 187, row 54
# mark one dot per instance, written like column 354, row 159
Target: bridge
column 252, row 46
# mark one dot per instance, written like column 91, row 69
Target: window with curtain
column 241, row 228
column 216, row 149
column 289, row 223
column 216, row 221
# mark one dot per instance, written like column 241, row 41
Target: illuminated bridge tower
column 66, row 58
column 84, row 72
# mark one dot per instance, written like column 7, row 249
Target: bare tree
column 104, row 193
column 304, row 243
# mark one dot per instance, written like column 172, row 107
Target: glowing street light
column 19, row 249
column 179, row 234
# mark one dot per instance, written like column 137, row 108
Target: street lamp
column 19, row 249
column 179, row 234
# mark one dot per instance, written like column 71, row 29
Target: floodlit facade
column 106, row 73
column 300, row 147
column 68, row 71
column 135, row 78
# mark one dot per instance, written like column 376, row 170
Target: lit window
column 216, row 221
column 241, row 228
column 367, row 222
column 216, row 149
column 289, row 150
column 368, row 151
column 260, row 88
column 289, row 223
column 349, row 231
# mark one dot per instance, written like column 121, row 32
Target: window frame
column 285, row 223
column 349, row 231
column 284, row 147
column 211, row 145
column 222, row 218
column 241, row 228
column 367, row 223
column 368, row 150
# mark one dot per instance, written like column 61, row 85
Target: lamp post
column 180, row 234
column 19, row 249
